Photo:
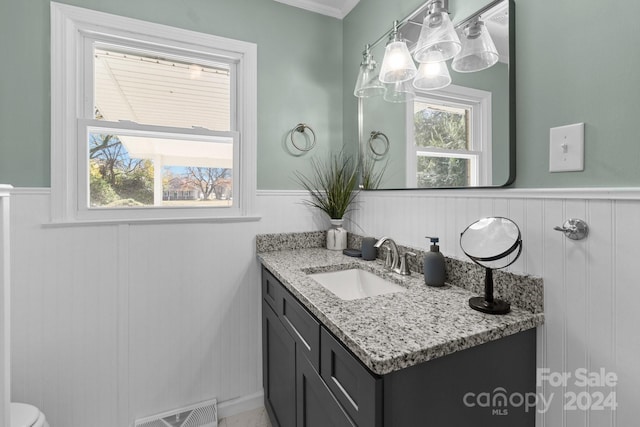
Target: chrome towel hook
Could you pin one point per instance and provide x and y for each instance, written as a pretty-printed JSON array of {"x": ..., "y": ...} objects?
[{"x": 573, "y": 228}]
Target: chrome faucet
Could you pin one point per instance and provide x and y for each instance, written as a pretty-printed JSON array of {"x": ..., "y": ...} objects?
[
  {"x": 397, "y": 263},
  {"x": 395, "y": 255}
]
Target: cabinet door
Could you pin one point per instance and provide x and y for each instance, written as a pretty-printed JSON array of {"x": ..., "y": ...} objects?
[
  {"x": 278, "y": 370},
  {"x": 316, "y": 406}
]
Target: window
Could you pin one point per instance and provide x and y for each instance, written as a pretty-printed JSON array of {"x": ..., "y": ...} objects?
[
  {"x": 449, "y": 136},
  {"x": 151, "y": 122}
]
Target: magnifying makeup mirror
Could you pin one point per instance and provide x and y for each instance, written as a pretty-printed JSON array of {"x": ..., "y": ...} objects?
[{"x": 492, "y": 243}]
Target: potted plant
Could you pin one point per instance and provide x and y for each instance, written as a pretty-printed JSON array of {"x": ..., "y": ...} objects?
[{"x": 332, "y": 189}]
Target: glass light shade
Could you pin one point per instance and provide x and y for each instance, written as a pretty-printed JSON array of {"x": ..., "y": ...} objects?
[
  {"x": 478, "y": 50},
  {"x": 437, "y": 35},
  {"x": 368, "y": 83},
  {"x": 397, "y": 65},
  {"x": 400, "y": 92},
  {"x": 432, "y": 75}
]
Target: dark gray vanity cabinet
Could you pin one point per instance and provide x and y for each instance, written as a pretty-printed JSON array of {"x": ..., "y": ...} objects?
[
  {"x": 311, "y": 380},
  {"x": 295, "y": 392}
]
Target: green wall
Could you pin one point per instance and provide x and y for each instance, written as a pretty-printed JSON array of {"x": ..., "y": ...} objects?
[
  {"x": 572, "y": 66},
  {"x": 299, "y": 77}
]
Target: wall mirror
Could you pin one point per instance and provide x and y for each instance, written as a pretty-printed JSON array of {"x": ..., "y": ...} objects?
[{"x": 446, "y": 117}]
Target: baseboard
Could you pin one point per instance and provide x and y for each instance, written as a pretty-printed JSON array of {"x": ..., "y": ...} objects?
[{"x": 241, "y": 404}]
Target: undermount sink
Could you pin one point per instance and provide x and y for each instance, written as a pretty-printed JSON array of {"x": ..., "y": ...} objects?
[{"x": 355, "y": 284}]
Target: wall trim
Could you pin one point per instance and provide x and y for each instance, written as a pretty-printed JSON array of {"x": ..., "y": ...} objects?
[
  {"x": 286, "y": 193},
  {"x": 604, "y": 193},
  {"x": 5, "y": 190},
  {"x": 319, "y": 7},
  {"x": 18, "y": 191},
  {"x": 619, "y": 193}
]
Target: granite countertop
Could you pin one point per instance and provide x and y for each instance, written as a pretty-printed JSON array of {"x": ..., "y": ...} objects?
[{"x": 394, "y": 331}]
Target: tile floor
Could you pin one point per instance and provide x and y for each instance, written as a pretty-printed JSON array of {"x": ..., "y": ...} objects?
[{"x": 255, "y": 418}]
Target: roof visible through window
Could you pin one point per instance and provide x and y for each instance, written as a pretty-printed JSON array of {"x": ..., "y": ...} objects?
[{"x": 146, "y": 88}]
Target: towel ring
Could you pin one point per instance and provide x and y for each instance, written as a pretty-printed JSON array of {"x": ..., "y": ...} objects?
[
  {"x": 379, "y": 135},
  {"x": 301, "y": 127}
]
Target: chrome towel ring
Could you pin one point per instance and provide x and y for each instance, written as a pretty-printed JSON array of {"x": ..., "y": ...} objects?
[
  {"x": 302, "y": 127},
  {"x": 379, "y": 135}
]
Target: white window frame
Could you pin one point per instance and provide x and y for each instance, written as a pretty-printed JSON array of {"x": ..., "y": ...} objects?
[
  {"x": 480, "y": 154},
  {"x": 73, "y": 31}
]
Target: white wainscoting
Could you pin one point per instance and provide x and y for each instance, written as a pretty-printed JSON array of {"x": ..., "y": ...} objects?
[
  {"x": 5, "y": 310},
  {"x": 115, "y": 322},
  {"x": 591, "y": 286}
]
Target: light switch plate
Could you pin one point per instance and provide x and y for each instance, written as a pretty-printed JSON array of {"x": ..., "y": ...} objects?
[{"x": 566, "y": 148}]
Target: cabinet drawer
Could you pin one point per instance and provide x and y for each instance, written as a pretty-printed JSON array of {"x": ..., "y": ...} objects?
[
  {"x": 304, "y": 328},
  {"x": 271, "y": 288},
  {"x": 358, "y": 391}
]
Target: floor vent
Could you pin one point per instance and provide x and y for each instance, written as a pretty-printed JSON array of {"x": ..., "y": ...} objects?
[{"x": 204, "y": 414}]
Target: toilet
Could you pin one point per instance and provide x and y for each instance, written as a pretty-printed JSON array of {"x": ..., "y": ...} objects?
[{"x": 23, "y": 415}]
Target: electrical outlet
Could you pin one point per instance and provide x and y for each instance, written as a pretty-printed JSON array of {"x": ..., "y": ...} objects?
[{"x": 566, "y": 148}]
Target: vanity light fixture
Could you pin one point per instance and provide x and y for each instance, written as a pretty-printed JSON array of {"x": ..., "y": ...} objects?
[
  {"x": 468, "y": 43},
  {"x": 368, "y": 83},
  {"x": 397, "y": 65},
  {"x": 434, "y": 74},
  {"x": 437, "y": 34},
  {"x": 400, "y": 92},
  {"x": 478, "y": 50}
]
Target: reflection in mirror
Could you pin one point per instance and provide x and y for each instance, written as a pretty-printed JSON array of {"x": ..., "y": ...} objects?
[
  {"x": 452, "y": 125},
  {"x": 492, "y": 243}
]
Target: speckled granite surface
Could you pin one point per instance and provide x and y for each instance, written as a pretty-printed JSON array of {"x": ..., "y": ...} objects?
[
  {"x": 281, "y": 241},
  {"x": 394, "y": 331},
  {"x": 520, "y": 290}
]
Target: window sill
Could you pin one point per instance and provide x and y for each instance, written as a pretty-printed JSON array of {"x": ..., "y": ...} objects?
[{"x": 143, "y": 221}]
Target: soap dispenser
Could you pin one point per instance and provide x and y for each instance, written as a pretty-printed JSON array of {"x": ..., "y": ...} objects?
[{"x": 434, "y": 267}]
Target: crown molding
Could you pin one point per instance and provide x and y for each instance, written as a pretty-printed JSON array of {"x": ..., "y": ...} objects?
[{"x": 322, "y": 8}]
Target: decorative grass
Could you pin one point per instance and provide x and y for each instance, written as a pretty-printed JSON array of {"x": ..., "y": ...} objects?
[{"x": 332, "y": 186}]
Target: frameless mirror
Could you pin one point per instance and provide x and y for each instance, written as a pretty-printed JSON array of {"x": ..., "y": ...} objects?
[
  {"x": 461, "y": 135},
  {"x": 492, "y": 243}
]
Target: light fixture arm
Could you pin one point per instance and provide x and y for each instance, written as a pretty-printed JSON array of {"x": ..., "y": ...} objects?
[
  {"x": 436, "y": 6},
  {"x": 367, "y": 58},
  {"x": 394, "y": 35},
  {"x": 367, "y": 50},
  {"x": 473, "y": 28},
  {"x": 421, "y": 8},
  {"x": 476, "y": 15}
]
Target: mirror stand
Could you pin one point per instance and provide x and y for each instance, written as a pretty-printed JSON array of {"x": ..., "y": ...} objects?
[
  {"x": 488, "y": 304},
  {"x": 490, "y": 242}
]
